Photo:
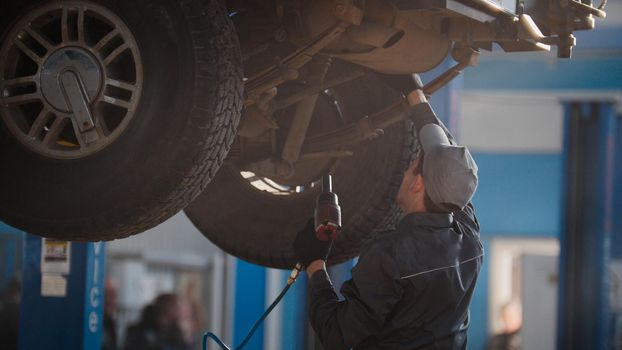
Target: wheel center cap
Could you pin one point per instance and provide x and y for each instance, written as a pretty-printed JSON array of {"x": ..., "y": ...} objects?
[{"x": 68, "y": 75}]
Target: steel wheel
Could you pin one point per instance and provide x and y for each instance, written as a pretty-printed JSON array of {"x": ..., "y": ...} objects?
[{"x": 71, "y": 79}]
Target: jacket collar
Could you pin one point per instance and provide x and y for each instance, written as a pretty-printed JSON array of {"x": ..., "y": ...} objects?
[{"x": 426, "y": 219}]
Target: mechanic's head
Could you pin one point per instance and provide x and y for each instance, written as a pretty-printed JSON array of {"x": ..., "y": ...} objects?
[
  {"x": 412, "y": 196},
  {"x": 442, "y": 179}
]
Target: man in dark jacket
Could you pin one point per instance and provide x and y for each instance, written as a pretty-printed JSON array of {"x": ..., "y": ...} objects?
[
  {"x": 411, "y": 287},
  {"x": 159, "y": 327}
]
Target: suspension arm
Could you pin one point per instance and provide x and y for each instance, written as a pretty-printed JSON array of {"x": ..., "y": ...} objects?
[{"x": 367, "y": 128}]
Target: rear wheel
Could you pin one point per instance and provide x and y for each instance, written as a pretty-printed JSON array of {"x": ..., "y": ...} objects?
[
  {"x": 115, "y": 115},
  {"x": 256, "y": 217}
]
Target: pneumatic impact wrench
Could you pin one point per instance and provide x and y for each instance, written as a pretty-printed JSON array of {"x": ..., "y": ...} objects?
[
  {"x": 327, "y": 215},
  {"x": 326, "y": 218}
]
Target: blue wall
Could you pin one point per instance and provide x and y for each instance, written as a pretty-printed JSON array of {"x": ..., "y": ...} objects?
[
  {"x": 518, "y": 195},
  {"x": 250, "y": 295},
  {"x": 598, "y": 71},
  {"x": 294, "y": 314}
]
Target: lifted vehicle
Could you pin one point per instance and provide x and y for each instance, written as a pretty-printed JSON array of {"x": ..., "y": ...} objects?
[{"x": 118, "y": 114}]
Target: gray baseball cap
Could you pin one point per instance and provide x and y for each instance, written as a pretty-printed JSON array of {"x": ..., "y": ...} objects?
[{"x": 449, "y": 171}]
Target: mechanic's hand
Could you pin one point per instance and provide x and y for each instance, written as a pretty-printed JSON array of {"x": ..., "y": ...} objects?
[{"x": 308, "y": 248}]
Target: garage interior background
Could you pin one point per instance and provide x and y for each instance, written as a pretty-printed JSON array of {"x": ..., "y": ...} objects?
[{"x": 510, "y": 112}]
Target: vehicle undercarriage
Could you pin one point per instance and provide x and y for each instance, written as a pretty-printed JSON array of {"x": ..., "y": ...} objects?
[{"x": 117, "y": 115}]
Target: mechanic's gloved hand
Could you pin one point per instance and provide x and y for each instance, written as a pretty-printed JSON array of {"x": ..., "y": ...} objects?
[{"x": 308, "y": 248}]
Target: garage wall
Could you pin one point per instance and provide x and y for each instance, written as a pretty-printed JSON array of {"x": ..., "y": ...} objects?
[
  {"x": 517, "y": 145},
  {"x": 511, "y": 118},
  {"x": 516, "y": 140}
]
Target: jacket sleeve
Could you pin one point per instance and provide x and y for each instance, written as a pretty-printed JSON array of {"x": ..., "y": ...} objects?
[
  {"x": 422, "y": 114},
  {"x": 467, "y": 217},
  {"x": 370, "y": 296}
]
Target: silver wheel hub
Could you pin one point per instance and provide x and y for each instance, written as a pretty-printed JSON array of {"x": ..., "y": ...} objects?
[{"x": 65, "y": 71}]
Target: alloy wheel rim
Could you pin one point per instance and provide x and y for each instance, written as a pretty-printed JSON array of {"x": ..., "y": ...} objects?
[{"x": 71, "y": 79}]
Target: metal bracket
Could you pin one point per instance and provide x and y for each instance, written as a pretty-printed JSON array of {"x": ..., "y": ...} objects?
[
  {"x": 588, "y": 9},
  {"x": 465, "y": 56}
]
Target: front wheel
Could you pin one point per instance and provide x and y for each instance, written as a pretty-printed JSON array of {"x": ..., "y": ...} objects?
[{"x": 114, "y": 115}]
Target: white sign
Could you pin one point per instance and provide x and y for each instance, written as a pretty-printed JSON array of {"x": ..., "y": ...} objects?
[
  {"x": 53, "y": 285},
  {"x": 94, "y": 292},
  {"x": 93, "y": 322},
  {"x": 94, "y": 297},
  {"x": 55, "y": 256}
]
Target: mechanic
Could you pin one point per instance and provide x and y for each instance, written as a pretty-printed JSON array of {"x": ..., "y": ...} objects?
[{"x": 411, "y": 287}]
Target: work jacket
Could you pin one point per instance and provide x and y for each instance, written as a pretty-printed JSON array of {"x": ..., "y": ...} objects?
[{"x": 410, "y": 289}]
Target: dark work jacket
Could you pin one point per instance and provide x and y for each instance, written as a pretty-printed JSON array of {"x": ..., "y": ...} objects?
[{"x": 410, "y": 289}]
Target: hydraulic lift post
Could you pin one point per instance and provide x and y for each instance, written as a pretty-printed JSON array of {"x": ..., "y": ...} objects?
[
  {"x": 584, "y": 313},
  {"x": 62, "y": 295}
]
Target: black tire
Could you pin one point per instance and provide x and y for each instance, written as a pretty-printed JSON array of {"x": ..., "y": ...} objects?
[
  {"x": 260, "y": 227},
  {"x": 182, "y": 130}
]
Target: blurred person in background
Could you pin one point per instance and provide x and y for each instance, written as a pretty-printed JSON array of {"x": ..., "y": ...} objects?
[
  {"x": 143, "y": 334},
  {"x": 9, "y": 314},
  {"x": 109, "y": 332},
  {"x": 191, "y": 322},
  {"x": 512, "y": 319},
  {"x": 159, "y": 327}
]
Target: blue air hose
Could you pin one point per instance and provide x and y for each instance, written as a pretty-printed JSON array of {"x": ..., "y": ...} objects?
[{"x": 290, "y": 280}]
